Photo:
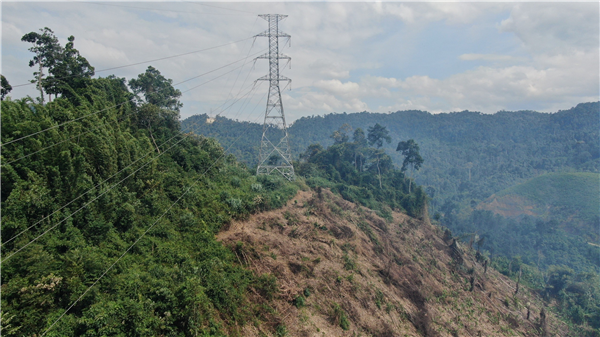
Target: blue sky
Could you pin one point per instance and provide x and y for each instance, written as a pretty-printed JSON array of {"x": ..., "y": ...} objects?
[{"x": 346, "y": 57}]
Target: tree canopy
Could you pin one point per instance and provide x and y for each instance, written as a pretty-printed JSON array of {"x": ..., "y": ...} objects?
[
  {"x": 68, "y": 70},
  {"x": 376, "y": 134},
  {"x": 6, "y": 87},
  {"x": 156, "y": 89},
  {"x": 93, "y": 187},
  {"x": 410, "y": 151}
]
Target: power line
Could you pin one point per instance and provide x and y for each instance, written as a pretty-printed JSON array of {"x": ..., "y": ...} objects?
[
  {"x": 88, "y": 203},
  {"x": 145, "y": 232},
  {"x": 47, "y": 147},
  {"x": 161, "y": 10},
  {"x": 142, "y": 62},
  {"x": 93, "y": 113},
  {"x": 64, "y": 123},
  {"x": 63, "y": 141},
  {"x": 120, "y": 117},
  {"x": 229, "y": 9},
  {"x": 212, "y": 71},
  {"x": 247, "y": 55}
]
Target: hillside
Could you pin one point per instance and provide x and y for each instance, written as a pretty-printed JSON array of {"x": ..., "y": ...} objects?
[
  {"x": 117, "y": 223},
  {"x": 468, "y": 155},
  {"x": 344, "y": 271},
  {"x": 109, "y": 222},
  {"x": 570, "y": 198}
]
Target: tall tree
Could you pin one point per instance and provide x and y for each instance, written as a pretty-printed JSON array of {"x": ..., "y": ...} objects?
[
  {"x": 340, "y": 135},
  {"x": 47, "y": 52},
  {"x": 360, "y": 143},
  {"x": 156, "y": 89},
  {"x": 70, "y": 71},
  {"x": 160, "y": 105},
  {"x": 412, "y": 158},
  {"x": 376, "y": 135},
  {"x": 6, "y": 87}
]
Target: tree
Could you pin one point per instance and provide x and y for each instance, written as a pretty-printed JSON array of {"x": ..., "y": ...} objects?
[
  {"x": 410, "y": 151},
  {"x": 161, "y": 101},
  {"x": 156, "y": 89},
  {"x": 340, "y": 136},
  {"x": 47, "y": 51},
  {"x": 376, "y": 135},
  {"x": 359, "y": 137},
  {"x": 69, "y": 71},
  {"x": 6, "y": 87},
  {"x": 360, "y": 142}
]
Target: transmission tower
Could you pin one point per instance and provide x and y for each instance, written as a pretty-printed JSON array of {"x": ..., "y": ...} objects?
[{"x": 275, "y": 154}]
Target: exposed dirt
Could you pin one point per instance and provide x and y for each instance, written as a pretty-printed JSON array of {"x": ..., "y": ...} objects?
[
  {"x": 512, "y": 206},
  {"x": 386, "y": 279}
]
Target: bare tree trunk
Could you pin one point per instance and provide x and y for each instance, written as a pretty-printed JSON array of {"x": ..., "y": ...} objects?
[
  {"x": 543, "y": 323},
  {"x": 151, "y": 136},
  {"x": 518, "y": 281},
  {"x": 40, "y": 74},
  {"x": 379, "y": 171}
]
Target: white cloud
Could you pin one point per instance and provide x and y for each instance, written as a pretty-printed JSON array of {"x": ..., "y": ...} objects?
[
  {"x": 454, "y": 13},
  {"x": 485, "y": 57},
  {"x": 345, "y": 56},
  {"x": 554, "y": 28}
]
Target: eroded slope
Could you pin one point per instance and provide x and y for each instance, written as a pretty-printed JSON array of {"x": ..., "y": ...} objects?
[{"x": 343, "y": 271}]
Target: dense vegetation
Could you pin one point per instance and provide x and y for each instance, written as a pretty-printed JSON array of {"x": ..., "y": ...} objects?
[
  {"x": 122, "y": 203},
  {"x": 122, "y": 169},
  {"x": 469, "y": 156},
  {"x": 361, "y": 173}
]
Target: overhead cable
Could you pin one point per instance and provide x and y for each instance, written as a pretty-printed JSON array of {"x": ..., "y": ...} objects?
[
  {"x": 148, "y": 229},
  {"x": 104, "y": 192},
  {"x": 148, "y": 61},
  {"x": 93, "y": 113}
]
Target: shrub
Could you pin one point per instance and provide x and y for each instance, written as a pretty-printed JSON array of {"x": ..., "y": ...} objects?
[{"x": 299, "y": 301}]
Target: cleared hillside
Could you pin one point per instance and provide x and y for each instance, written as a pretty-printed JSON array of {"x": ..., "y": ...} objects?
[
  {"x": 343, "y": 271},
  {"x": 570, "y": 198}
]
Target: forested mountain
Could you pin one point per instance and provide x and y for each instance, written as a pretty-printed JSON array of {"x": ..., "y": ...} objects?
[
  {"x": 115, "y": 222},
  {"x": 467, "y": 155},
  {"x": 571, "y": 199}
]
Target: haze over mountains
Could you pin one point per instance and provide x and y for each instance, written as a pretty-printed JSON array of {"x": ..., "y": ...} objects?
[{"x": 468, "y": 155}]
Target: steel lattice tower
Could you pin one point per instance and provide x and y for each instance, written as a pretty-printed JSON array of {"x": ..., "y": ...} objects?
[{"x": 275, "y": 154}]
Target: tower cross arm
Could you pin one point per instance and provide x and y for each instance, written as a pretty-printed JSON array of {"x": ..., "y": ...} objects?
[
  {"x": 266, "y": 56},
  {"x": 267, "y": 78},
  {"x": 267, "y": 34}
]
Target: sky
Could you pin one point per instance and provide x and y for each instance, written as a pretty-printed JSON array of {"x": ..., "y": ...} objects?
[{"x": 345, "y": 56}]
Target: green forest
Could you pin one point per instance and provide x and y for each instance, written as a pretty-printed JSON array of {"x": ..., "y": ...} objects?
[
  {"x": 110, "y": 205},
  {"x": 468, "y": 155},
  {"x": 553, "y": 160},
  {"x": 111, "y": 220},
  {"x": 109, "y": 210}
]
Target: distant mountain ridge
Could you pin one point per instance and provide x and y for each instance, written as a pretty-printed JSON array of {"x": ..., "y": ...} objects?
[{"x": 468, "y": 155}]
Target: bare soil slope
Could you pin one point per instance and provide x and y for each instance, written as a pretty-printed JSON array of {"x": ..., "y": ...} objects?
[{"x": 344, "y": 271}]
